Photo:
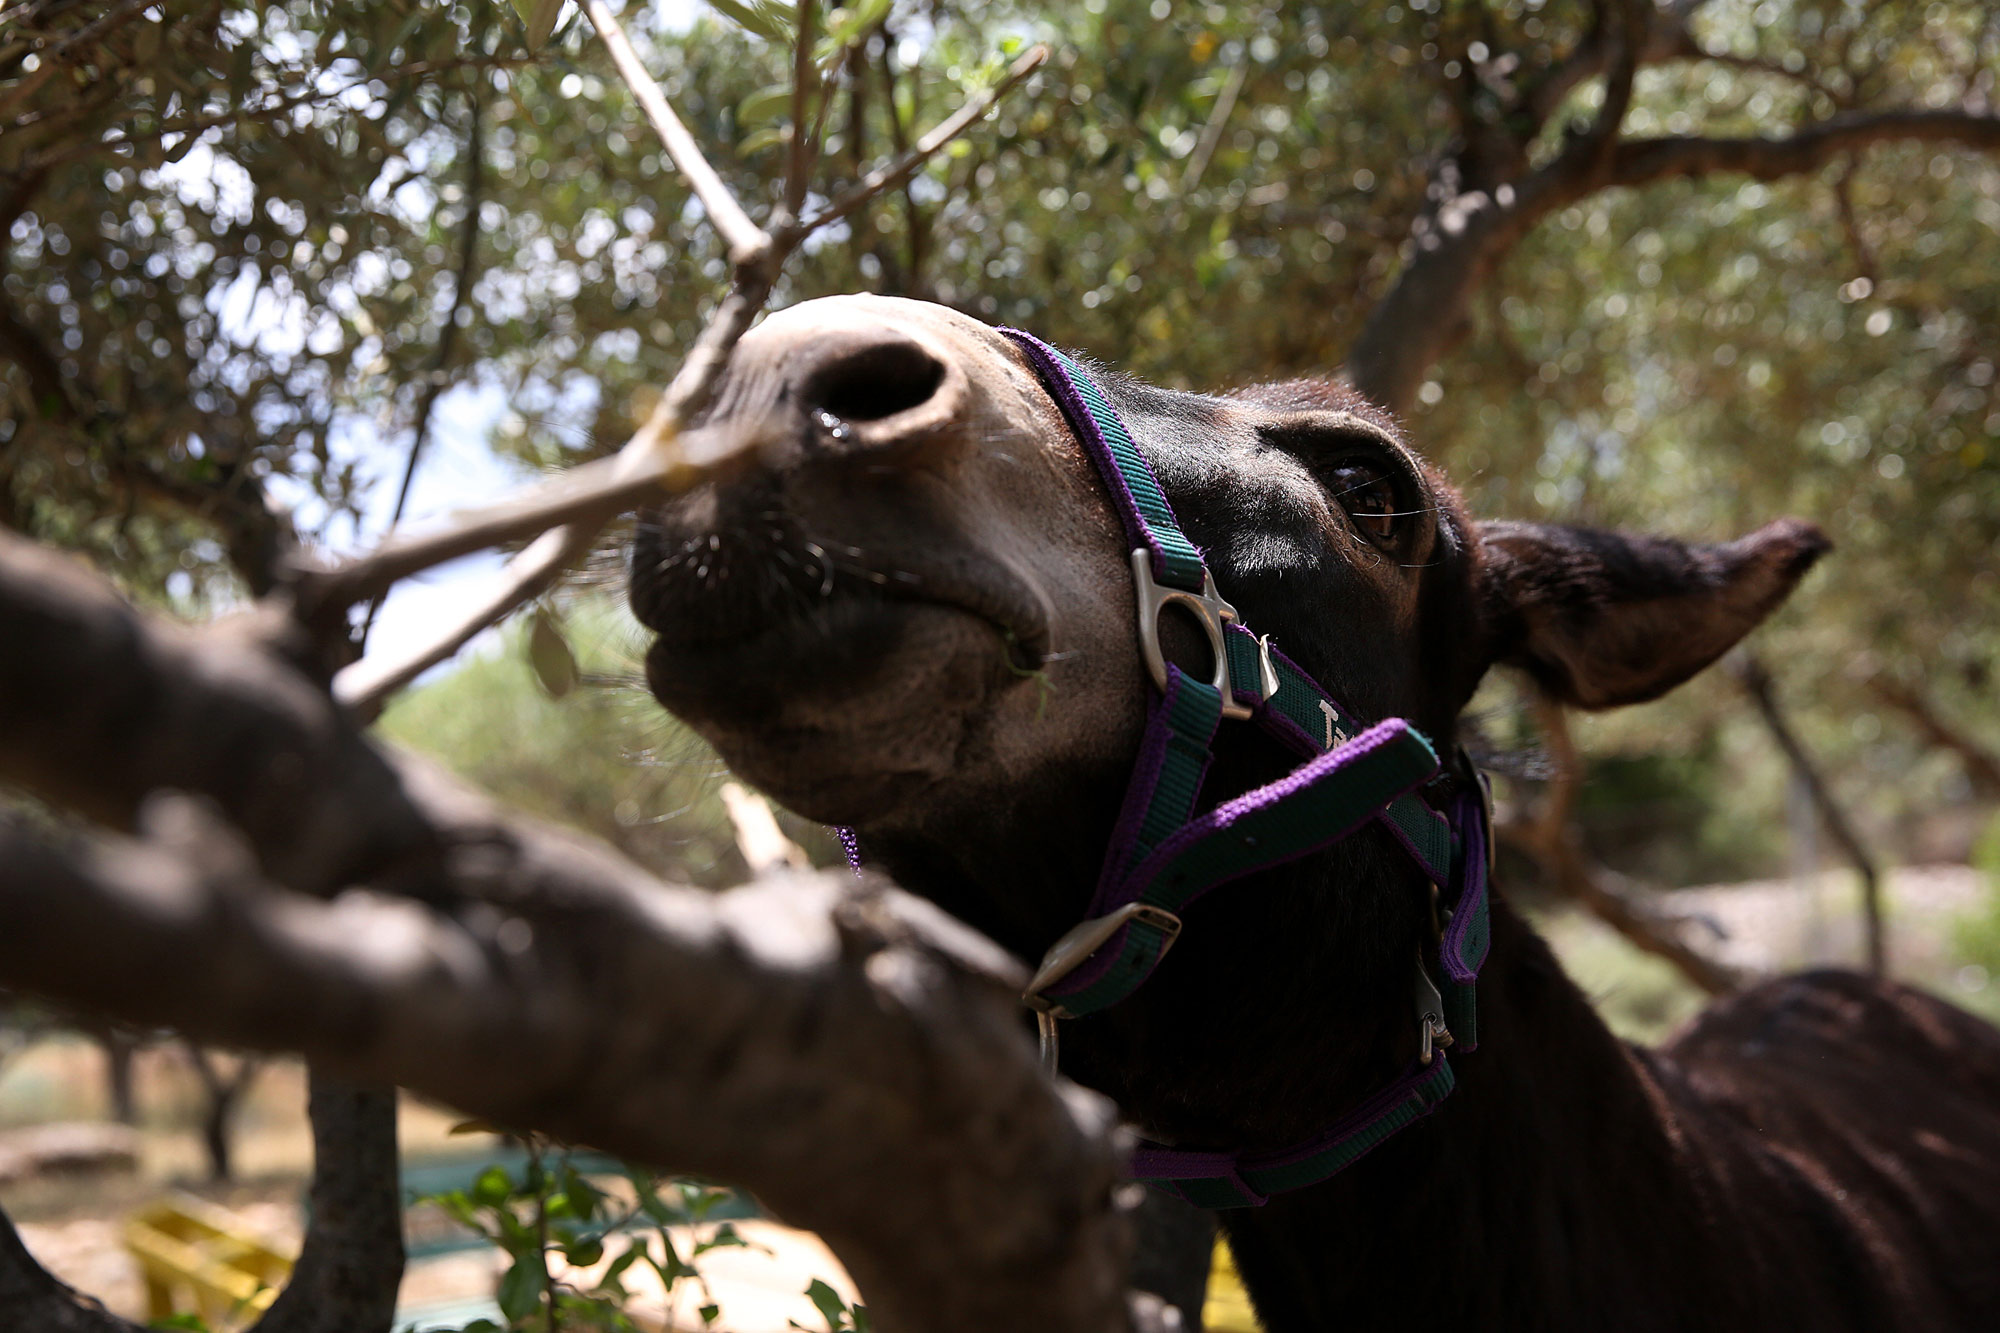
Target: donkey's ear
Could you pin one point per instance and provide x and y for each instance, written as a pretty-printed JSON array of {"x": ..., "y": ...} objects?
[{"x": 1605, "y": 618}]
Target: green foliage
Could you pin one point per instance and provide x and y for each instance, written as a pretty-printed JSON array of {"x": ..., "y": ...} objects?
[
  {"x": 839, "y": 1315},
  {"x": 553, "y": 1209},
  {"x": 601, "y": 757},
  {"x": 1202, "y": 193}
]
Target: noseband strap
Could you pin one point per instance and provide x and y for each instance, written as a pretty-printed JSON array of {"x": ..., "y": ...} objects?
[{"x": 1165, "y": 853}]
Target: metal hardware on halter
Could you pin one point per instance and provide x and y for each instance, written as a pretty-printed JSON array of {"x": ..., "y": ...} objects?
[
  {"x": 1072, "y": 950},
  {"x": 1086, "y": 938},
  {"x": 1432, "y": 1034},
  {"x": 1213, "y": 613}
]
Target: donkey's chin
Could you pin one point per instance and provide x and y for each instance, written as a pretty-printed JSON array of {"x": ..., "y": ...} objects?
[{"x": 849, "y": 715}]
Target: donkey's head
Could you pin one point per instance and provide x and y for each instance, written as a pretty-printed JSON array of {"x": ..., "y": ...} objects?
[{"x": 915, "y": 616}]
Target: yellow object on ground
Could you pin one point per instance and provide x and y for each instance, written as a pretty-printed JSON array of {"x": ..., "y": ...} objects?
[
  {"x": 197, "y": 1258},
  {"x": 1227, "y": 1309}
]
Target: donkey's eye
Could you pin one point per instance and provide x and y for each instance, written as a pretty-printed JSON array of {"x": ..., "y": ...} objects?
[{"x": 1369, "y": 497}]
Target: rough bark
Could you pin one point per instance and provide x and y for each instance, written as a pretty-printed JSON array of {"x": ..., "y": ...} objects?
[
  {"x": 351, "y": 1265},
  {"x": 1483, "y": 197},
  {"x": 35, "y": 1302},
  {"x": 847, "y": 1051}
]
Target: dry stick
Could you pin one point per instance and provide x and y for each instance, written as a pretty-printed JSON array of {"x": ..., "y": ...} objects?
[
  {"x": 801, "y": 150},
  {"x": 1756, "y": 682},
  {"x": 887, "y": 178},
  {"x": 747, "y": 242},
  {"x": 1550, "y": 837}
]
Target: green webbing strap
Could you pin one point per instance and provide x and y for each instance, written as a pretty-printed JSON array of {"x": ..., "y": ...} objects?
[
  {"x": 1193, "y": 711},
  {"x": 1175, "y": 560}
]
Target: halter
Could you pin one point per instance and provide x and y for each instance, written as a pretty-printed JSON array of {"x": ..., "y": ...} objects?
[{"x": 1164, "y": 854}]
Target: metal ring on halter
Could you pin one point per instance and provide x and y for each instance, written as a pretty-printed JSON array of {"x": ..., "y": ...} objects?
[{"x": 1207, "y": 608}]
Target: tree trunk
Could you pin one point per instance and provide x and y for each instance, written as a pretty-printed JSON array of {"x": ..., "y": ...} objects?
[
  {"x": 352, "y": 1263},
  {"x": 1172, "y": 1245}
]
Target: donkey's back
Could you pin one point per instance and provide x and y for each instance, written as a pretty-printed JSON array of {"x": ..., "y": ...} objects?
[{"x": 1835, "y": 1111}]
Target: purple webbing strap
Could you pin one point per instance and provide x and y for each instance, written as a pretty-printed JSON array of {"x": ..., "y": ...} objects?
[
  {"x": 850, "y": 844},
  {"x": 1048, "y": 365},
  {"x": 1132, "y": 886},
  {"x": 1163, "y": 1165},
  {"x": 1230, "y": 812}
]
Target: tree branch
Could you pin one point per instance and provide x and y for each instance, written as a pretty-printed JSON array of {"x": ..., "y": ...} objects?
[
  {"x": 661, "y": 460},
  {"x": 889, "y": 177},
  {"x": 747, "y": 242},
  {"x": 1549, "y": 836},
  {"x": 1756, "y": 682},
  {"x": 1982, "y": 766},
  {"x": 1766, "y": 158},
  {"x": 437, "y": 379},
  {"x": 849, "y": 1052},
  {"x": 1459, "y": 241}
]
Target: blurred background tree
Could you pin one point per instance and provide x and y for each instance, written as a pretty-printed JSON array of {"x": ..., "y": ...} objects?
[{"x": 249, "y": 244}]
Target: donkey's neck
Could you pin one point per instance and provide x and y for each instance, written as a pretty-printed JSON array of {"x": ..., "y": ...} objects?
[{"x": 1550, "y": 1190}]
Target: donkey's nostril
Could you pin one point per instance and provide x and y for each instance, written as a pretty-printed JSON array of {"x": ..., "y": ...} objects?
[{"x": 875, "y": 382}]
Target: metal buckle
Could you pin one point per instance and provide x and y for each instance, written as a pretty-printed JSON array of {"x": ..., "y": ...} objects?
[
  {"x": 1086, "y": 938},
  {"x": 1213, "y": 613},
  {"x": 1432, "y": 1034}
]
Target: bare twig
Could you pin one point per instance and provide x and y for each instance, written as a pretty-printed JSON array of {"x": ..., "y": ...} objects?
[
  {"x": 800, "y": 152},
  {"x": 1218, "y": 119},
  {"x": 366, "y": 684},
  {"x": 747, "y": 242},
  {"x": 1549, "y": 836},
  {"x": 889, "y": 177},
  {"x": 435, "y": 381},
  {"x": 1756, "y": 681}
]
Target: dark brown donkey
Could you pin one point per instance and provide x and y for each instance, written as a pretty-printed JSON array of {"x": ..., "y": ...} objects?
[{"x": 915, "y": 617}]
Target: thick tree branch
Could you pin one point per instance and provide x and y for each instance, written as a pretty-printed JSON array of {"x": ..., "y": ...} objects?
[
  {"x": 1466, "y": 234},
  {"x": 850, "y": 1053},
  {"x": 100, "y": 707},
  {"x": 1768, "y": 158}
]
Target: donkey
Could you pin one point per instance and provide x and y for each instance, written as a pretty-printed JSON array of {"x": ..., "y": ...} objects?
[{"x": 914, "y": 617}]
